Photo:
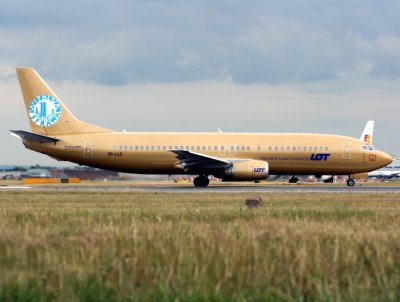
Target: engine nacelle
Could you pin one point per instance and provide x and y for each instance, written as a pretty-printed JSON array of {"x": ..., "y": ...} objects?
[{"x": 247, "y": 170}]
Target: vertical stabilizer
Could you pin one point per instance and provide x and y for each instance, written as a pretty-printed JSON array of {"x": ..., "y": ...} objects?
[
  {"x": 46, "y": 113},
  {"x": 368, "y": 132}
]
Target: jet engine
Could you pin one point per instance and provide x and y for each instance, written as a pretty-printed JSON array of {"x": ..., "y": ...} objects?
[{"x": 247, "y": 170}]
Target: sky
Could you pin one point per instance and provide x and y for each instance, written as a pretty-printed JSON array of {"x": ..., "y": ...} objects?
[{"x": 242, "y": 66}]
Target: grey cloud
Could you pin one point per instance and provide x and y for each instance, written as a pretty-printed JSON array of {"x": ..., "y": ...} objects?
[{"x": 116, "y": 42}]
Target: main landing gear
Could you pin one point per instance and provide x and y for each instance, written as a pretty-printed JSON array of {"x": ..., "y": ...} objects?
[
  {"x": 351, "y": 182},
  {"x": 201, "y": 181},
  {"x": 293, "y": 180}
]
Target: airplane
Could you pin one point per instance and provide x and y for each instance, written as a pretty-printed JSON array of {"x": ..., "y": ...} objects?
[
  {"x": 56, "y": 132},
  {"x": 390, "y": 171}
]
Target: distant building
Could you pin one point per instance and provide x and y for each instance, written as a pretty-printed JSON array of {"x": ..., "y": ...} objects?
[
  {"x": 10, "y": 175},
  {"x": 83, "y": 173}
]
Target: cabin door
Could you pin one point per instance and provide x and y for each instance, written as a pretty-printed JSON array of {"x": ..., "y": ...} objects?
[
  {"x": 346, "y": 151},
  {"x": 88, "y": 148}
]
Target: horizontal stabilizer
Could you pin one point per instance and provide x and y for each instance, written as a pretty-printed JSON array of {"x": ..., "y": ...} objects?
[{"x": 34, "y": 137}]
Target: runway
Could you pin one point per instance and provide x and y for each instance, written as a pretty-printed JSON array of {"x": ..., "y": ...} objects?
[{"x": 178, "y": 188}]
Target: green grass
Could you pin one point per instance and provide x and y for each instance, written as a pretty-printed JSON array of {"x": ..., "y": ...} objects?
[{"x": 57, "y": 246}]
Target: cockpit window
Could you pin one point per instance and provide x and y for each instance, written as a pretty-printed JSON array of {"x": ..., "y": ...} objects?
[{"x": 368, "y": 147}]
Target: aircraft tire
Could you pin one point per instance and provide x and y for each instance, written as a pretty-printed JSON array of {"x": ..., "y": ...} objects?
[
  {"x": 293, "y": 180},
  {"x": 350, "y": 182},
  {"x": 201, "y": 181}
]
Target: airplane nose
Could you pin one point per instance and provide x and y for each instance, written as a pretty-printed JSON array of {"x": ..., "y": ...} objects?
[{"x": 385, "y": 158}]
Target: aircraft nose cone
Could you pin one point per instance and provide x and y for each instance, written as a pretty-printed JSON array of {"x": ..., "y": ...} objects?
[
  {"x": 388, "y": 159},
  {"x": 385, "y": 158}
]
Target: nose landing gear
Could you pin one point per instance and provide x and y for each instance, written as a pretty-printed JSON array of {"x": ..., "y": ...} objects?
[
  {"x": 350, "y": 182},
  {"x": 201, "y": 181}
]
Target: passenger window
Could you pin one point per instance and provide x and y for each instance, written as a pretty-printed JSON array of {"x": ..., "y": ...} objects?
[
  {"x": 321, "y": 149},
  {"x": 130, "y": 147},
  {"x": 326, "y": 148},
  {"x": 141, "y": 148},
  {"x": 294, "y": 148},
  {"x": 115, "y": 147},
  {"x": 276, "y": 148},
  {"x": 164, "y": 147},
  {"x": 215, "y": 148},
  {"x": 243, "y": 148},
  {"x": 204, "y": 148},
  {"x": 198, "y": 148},
  {"x": 120, "y": 147},
  {"x": 192, "y": 147},
  {"x": 270, "y": 148},
  {"x": 287, "y": 148},
  {"x": 248, "y": 148},
  {"x": 315, "y": 148}
]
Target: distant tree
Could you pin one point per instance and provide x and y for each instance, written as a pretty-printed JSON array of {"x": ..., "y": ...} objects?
[{"x": 17, "y": 168}]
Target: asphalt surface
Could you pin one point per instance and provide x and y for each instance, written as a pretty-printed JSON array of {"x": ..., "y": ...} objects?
[{"x": 216, "y": 188}]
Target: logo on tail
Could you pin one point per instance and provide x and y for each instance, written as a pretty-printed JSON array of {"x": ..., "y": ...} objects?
[
  {"x": 367, "y": 139},
  {"x": 44, "y": 110}
]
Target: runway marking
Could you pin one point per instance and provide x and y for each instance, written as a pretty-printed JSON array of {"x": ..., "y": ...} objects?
[{"x": 14, "y": 187}]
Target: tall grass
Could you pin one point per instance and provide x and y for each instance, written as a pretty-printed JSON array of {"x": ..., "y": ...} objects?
[{"x": 194, "y": 247}]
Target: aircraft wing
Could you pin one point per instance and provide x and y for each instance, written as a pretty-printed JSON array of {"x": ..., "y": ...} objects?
[{"x": 193, "y": 161}]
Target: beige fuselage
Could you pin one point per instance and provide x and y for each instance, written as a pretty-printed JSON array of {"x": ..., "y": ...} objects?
[{"x": 294, "y": 154}]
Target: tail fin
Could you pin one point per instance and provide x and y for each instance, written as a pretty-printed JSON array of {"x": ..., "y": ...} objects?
[
  {"x": 366, "y": 136},
  {"x": 47, "y": 114}
]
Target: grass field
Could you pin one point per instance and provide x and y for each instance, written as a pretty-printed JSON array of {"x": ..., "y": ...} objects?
[{"x": 193, "y": 247}]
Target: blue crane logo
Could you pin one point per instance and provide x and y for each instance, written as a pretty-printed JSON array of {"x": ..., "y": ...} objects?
[{"x": 44, "y": 110}]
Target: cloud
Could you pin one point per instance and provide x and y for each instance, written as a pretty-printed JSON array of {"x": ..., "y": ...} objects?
[
  {"x": 6, "y": 71},
  {"x": 119, "y": 42},
  {"x": 263, "y": 66}
]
